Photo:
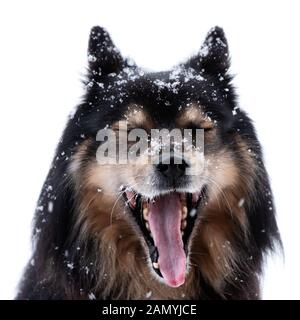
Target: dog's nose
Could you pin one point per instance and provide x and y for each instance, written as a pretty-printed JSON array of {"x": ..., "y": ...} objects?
[{"x": 175, "y": 168}]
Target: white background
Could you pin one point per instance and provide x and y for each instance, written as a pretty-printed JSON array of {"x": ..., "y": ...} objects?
[{"x": 43, "y": 56}]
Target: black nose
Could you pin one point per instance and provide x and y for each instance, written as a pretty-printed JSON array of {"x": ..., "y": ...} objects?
[{"x": 175, "y": 169}]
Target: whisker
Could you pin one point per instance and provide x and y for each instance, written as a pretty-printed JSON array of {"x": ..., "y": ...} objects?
[
  {"x": 117, "y": 200},
  {"x": 194, "y": 265}
]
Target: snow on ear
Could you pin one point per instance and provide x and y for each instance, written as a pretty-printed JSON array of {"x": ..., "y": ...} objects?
[
  {"x": 213, "y": 57},
  {"x": 103, "y": 56}
]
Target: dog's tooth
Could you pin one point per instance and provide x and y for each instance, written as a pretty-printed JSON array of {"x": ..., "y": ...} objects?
[
  {"x": 182, "y": 233},
  {"x": 155, "y": 265},
  {"x": 145, "y": 213},
  {"x": 183, "y": 224},
  {"x": 147, "y": 226},
  {"x": 184, "y": 212}
]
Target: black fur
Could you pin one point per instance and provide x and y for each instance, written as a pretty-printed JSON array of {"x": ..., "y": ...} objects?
[{"x": 57, "y": 269}]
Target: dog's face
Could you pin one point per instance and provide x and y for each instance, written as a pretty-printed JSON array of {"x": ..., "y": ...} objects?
[
  {"x": 165, "y": 197},
  {"x": 166, "y": 207}
]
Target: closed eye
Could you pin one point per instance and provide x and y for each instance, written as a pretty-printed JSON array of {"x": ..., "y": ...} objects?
[{"x": 203, "y": 126}]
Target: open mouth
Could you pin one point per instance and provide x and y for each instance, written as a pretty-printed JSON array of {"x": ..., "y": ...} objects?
[{"x": 166, "y": 222}]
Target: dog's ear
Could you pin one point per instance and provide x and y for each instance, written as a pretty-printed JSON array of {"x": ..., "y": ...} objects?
[
  {"x": 213, "y": 57},
  {"x": 103, "y": 56}
]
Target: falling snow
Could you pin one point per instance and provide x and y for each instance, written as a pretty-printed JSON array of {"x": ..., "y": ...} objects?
[
  {"x": 70, "y": 266},
  {"x": 50, "y": 206},
  {"x": 241, "y": 202},
  {"x": 91, "y": 296}
]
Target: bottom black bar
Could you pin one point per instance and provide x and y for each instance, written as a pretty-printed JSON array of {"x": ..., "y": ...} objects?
[{"x": 90, "y": 310}]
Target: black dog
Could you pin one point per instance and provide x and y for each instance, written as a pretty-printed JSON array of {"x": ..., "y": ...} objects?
[{"x": 133, "y": 231}]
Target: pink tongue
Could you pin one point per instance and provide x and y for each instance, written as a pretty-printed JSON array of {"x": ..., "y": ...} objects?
[{"x": 165, "y": 221}]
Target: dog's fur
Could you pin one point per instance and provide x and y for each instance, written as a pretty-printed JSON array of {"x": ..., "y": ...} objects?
[{"x": 86, "y": 243}]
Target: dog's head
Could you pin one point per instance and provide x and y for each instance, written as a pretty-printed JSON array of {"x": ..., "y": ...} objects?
[{"x": 179, "y": 207}]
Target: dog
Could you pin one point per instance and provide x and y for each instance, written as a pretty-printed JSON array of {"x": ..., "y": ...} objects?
[{"x": 143, "y": 230}]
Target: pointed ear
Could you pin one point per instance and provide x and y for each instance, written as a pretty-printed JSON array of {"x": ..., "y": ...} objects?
[
  {"x": 213, "y": 57},
  {"x": 103, "y": 56}
]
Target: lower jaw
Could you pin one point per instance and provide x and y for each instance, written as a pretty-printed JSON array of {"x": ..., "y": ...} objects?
[{"x": 167, "y": 226}]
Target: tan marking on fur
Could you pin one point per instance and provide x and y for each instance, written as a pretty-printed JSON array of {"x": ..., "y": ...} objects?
[
  {"x": 78, "y": 157},
  {"x": 135, "y": 117},
  {"x": 250, "y": 167},
  {"x": 136, "y": 114},
  {"x": 194, "y": 114}
]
